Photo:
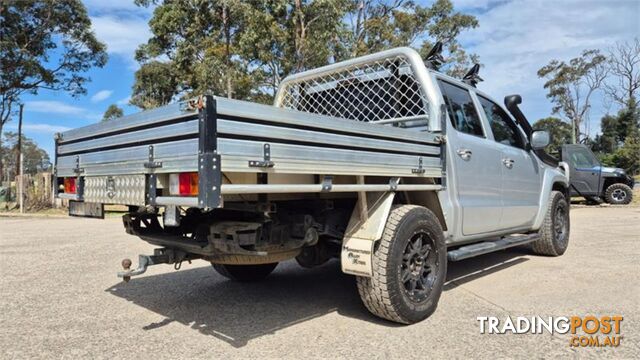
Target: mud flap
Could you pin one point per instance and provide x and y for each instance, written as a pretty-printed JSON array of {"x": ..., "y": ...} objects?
[{"x": 365, "y": 228}]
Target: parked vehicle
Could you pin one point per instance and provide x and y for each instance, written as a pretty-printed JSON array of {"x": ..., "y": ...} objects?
[
  {"x": 380, "y": 161},
  {"x": 592, "y": 180}
]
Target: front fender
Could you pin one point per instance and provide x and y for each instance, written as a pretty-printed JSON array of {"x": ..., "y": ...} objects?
[
  {"x": 552, "y": 177},
  {"x": 614, "y": 178}
]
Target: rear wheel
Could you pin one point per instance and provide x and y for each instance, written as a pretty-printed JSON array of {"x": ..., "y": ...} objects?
[
  {"x": 618, "y": 194},
  {"x": 409, "y": 267},
  {"x": 245, "y": 273},
  {"x": 554, "y": 233}
]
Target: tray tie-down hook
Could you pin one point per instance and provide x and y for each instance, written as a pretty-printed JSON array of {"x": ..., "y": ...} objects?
[
  {"x": 266, "y": 162},
  {"x": 419, "y": 169}
]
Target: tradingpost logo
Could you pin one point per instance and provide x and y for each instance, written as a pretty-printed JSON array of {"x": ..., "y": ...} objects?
[{"x": 586, "y": 331}]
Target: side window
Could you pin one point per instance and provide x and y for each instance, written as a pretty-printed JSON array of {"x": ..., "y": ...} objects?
[
  {"x": 462, "y": 112},
  {"x": 582, "y": 158},
  {"x": 503, "y": 129}
]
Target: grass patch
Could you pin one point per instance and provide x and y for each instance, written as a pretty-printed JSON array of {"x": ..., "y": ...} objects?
[
  {"x": 109, "y": 210},
  {"x": 636, "y": 197},
  {"x": 43, "y": 212}
]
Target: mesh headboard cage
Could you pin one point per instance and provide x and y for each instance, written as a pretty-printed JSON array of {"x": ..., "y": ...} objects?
[{"x": 382, "y": 89}]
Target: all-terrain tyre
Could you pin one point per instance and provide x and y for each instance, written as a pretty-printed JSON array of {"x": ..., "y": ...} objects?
[
  {"x": 554, "y": 233},
  {"x": 245, "y": 273},
  {"x": 409, "y": 267},
  {"x": 618, "y": 194}
]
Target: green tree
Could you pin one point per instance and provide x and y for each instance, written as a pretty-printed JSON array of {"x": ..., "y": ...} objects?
[
  {"x": 619, "y": 143},
  {"x": 559, "y": 130},
  {"x": 627, "y": 156},
  {"x": 243, "y": 49},
  {"x": 200, "y": 40},
  {"x": 616, "y": 129},
  {"x": 112, "y": 112},
  {"x": 571, "y": 86},
  {"x": 156, "y": 83},
  {"x": 378, "y": 25},
  {"x": 35, "y": 159},
  {"x": 608, "y": 141},
  {"x": 284, "y": 37},
  {"x": 44, "y": 44},
  {"x": 628, "y": 121}
]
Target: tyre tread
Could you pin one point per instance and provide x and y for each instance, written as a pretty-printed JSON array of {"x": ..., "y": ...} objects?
[
  {"x": 608, "y": 194},
  {"x": 545, "y": 245},
  {"x": 375, "y": 291}
]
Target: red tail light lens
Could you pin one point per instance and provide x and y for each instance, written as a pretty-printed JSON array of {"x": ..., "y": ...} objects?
[
  {"x": 70, "y": 185},
  {"x": 184, "y": 184}
]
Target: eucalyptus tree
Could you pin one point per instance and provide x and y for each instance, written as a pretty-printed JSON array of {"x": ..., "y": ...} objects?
[
  {"x": 572, "y": 84},
  {"x": 243, "y": 49},
  {"x": 44, "y": 45},
  {"x": 624, "y": 73},
  {"x": 113, "y": 112},
  {"x": 376, "y": 25}
]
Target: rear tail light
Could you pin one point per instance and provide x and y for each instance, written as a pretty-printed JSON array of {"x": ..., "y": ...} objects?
[
  {"x": 183, "y": 184},
  {"x": 70, "y": 185}
]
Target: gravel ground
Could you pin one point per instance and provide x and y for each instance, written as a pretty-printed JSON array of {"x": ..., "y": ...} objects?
[{"x": 60, "y": 298}]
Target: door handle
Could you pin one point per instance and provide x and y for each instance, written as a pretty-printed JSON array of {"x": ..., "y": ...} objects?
[
  {"x": 508, "y": 162},
  {"x": 465, "y": 154}
]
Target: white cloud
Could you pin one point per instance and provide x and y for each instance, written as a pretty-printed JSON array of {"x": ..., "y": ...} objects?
[
  {"x": 124, "y": 101},
  {"x": 45, "y": 128},
  {"x": 473, "y": 4},
  {"x": 121, "y": 25},
  {"x": 61, "y": 109},
  {"x": 38, "y": 128},
  {"x": 122, "y": 35},
  {"x": 53, "y": 107},
  {"x": 518, "y": 37},
  {"x": 115, "y": 5},
  {"x": 101, "y": 95}
]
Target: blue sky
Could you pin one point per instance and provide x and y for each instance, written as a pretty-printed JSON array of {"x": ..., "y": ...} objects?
[{"x": 515, "y": 38}]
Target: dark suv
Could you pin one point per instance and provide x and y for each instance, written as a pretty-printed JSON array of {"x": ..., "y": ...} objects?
[{"x": 592, "y": 180}]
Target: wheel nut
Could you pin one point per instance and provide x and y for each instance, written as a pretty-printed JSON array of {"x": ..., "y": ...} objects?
[{"x": 126, "y": 264}]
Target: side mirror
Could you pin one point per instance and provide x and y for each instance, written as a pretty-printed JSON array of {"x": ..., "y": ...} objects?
[{"x": 540, "y": 139}]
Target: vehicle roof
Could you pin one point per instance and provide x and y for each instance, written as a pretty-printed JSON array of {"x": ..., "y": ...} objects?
[
  {"x": 460, "y": 83},
  {"x": 475, "y": 90}
]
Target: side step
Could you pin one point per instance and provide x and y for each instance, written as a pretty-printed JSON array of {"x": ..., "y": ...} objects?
[{"x": 485, "y": 247}]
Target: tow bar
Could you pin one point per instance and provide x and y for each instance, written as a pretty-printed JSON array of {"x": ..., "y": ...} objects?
[{"x": 160, "y": 256}]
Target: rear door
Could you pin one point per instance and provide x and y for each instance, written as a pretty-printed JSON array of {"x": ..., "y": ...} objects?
[
  {"x": 521, "y": 177},
  {"x": 476, "y": 161}
]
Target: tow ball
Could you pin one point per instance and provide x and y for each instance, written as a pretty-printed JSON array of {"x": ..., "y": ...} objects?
[{"x": 160, "y": 256}]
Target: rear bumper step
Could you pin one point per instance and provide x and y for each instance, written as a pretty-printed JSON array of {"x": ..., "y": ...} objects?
[{"x": 486, "y": 247}]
